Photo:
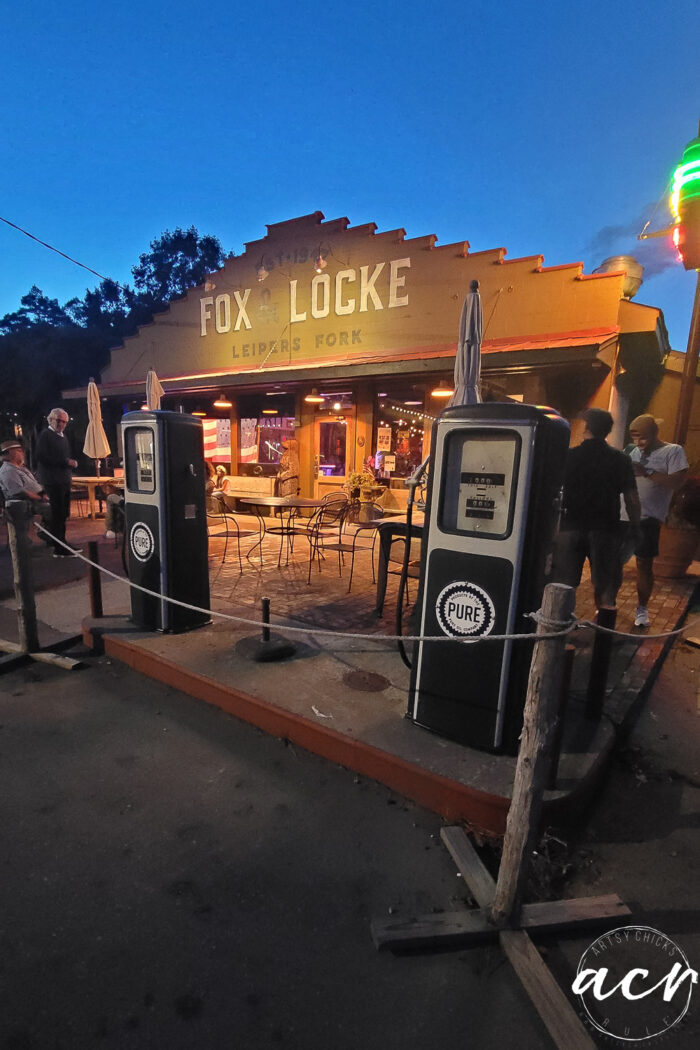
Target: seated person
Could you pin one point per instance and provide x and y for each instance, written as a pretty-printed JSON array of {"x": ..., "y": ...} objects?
[
  {"x": 114, "y": 503},
  {"x": 18, "y": 482}
]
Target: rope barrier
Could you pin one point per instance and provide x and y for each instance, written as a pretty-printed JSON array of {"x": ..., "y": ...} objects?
[{"x": 562, "y": 629}]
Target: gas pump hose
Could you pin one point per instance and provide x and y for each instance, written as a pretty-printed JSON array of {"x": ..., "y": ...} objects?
[{"x": 412, "y": 484}]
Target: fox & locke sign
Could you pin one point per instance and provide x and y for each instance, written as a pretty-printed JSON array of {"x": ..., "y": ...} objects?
[{"x": 351, "y": 291}]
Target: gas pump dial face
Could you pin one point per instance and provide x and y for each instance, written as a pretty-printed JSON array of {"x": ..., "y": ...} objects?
[{"x": 486, "y": 483}]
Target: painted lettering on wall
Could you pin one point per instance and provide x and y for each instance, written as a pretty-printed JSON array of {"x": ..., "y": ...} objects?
[
  {"x": 375, "y": 287},
  {"x": 296, "y": 345}
]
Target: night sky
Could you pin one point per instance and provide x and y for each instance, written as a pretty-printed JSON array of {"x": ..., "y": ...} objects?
[{"x": 544, "y": 128}]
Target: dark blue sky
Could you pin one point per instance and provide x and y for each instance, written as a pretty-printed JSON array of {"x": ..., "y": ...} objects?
[{"x": 547, "y": 128}]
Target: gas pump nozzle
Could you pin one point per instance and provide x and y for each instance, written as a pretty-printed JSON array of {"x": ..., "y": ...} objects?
[{"x": 415, "y": 479}]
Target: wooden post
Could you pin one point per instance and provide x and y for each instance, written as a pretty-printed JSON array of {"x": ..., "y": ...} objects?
[
  {"x": 94, "y": 582},
  {"x": 532, "y": 768},
  {"x": 558, "y": 728},
  {"x": 18, "y": 518}
]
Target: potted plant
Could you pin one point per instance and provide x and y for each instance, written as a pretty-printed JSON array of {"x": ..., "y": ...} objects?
[
  {"x": 358, "y": 483},
  {"x": 680, "y": 533}
]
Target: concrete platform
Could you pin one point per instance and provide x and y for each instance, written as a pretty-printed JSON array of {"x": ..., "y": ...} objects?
[{"x": 345, "y": 698}]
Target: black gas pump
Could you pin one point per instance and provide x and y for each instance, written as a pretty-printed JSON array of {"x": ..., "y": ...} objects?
[
  {"x": 493, "y": 496},
  {"x": 165, "y": 511}
]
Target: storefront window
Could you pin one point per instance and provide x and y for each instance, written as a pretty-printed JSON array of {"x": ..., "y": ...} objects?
[
  {"x": 261, "y": 439},
  {"x": 332, "y": 445},
  {"x": 399, "y": 432}
]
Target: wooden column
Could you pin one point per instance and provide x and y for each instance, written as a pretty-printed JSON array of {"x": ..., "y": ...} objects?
[
  {"x": 18, "y": 518},
  {"x": 690, "y": 371}
]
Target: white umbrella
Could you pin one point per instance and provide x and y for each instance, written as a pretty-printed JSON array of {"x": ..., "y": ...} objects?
[
  {"x": 154, "y": 391},
  {"x": 468, "y": 361},
  {"x": 96, "y": 445}
]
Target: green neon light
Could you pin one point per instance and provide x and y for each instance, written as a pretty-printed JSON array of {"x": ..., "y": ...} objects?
[{"x": 686, "y": 179}]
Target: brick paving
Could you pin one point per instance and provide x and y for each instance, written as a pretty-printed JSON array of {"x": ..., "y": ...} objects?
[{"x": 325, "y": 601}]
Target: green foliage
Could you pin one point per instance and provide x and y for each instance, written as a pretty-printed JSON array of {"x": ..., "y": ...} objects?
[
  {"x": 46, "y": 348},
  {"x": 177, "y": 261},
  {"x": 36, "y": 310}
]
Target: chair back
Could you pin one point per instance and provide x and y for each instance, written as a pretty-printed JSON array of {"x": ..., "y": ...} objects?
[
  {"x": 336, "y": 494},
  {"x": 214, "y": 503}
]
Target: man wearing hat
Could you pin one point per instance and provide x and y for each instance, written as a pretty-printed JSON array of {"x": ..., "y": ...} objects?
[
  {"x": 17, "y": 482},
  {"x": 596, "y": 475},
  {"x": 660, "y": 467}
]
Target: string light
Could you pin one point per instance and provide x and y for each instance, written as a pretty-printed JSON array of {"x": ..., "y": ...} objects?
[{"x": 403, "y": 411}]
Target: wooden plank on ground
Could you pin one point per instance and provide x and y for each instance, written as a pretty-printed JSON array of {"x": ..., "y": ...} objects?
[
  {"x": 9, "y": 647},
  {"x": 549, "y": 916},
  {"x": 441, "y": 930},
  {"x": 9, "y": 661},
  {"x": 476, "y": 875},
  {"x": 558, "y": 1014},
  {"x": 459, "y": 928},
  {"x": 66, "y": 663}
]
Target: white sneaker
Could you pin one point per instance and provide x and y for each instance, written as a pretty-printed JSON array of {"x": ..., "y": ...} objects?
[
  {"x": 109, "y": 535},
  {"x": 641, "y": 618}
]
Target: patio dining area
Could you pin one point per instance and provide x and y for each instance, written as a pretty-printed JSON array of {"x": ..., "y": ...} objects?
[{"x": 300, "y": 568}]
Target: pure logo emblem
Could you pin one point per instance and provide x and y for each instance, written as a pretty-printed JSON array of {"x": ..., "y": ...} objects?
[
  {"x": 141, "y": 541},
  {"x": 634, "y": 984},
  {"x": 463, "y": 609}
]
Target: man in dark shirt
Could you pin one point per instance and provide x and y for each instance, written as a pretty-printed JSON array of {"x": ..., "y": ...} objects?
[
  {"x": 596, "y": 476},
  {"x": 55, "y": 473}
]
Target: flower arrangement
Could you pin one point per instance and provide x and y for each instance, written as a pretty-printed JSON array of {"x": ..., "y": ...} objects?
[{"x": 356, "y": 480}]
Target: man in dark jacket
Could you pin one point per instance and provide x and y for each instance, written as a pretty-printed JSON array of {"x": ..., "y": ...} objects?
[
  {"x": 596, "y": 476},
  {"x": 55, "y": 464}
]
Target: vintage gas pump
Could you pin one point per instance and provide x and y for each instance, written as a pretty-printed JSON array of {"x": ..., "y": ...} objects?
[
  {"x": 165, "y": 510},
  {"x": 497, "y": 471}
]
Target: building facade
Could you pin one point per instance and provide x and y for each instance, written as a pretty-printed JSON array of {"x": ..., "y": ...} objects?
[{"x": 345, "y": 338}]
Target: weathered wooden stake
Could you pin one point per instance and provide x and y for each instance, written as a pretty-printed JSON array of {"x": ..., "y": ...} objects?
[
  {"x": 18, "y": 518},
  {"x": 533, "y": 763}
]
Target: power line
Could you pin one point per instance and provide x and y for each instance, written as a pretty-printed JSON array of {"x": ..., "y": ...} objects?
[{"x": 59, "y": 252}]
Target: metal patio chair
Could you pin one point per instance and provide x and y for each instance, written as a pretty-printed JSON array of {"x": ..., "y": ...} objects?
[
  {"x": 221, "y": 523},
  {"x": 325, "y": 528},
  {"x": 357, "y": 536}
]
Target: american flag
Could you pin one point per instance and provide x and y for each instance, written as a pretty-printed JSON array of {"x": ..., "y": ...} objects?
[{"x": 217, "y": 439}]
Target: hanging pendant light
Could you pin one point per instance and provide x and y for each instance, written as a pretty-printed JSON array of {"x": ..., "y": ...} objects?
[
  {"x": 442, "y": 390},
  {"x": 314, "y": 398},
  {"x": 222, "y": 402}
]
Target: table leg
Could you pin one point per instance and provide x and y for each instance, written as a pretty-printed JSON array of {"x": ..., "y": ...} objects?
[{"x": 385, "y": 538}]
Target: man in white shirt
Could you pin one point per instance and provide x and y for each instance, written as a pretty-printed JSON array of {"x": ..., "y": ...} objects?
[
  {"x": 660, "y": 468},
  {"x": 18, "y": 482}
]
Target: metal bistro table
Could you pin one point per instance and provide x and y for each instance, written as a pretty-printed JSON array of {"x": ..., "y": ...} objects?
[
  {"x": 92, "y": 483},
  {"x": 287, "y": 506},
  {"x": 390, "y": 529}
]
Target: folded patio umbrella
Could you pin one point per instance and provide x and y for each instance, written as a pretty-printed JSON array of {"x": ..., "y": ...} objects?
[
  {"x": 96, "y": 445},
  {"x": 154, "y": 391},
  {"x": 467, "y": 374}
]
